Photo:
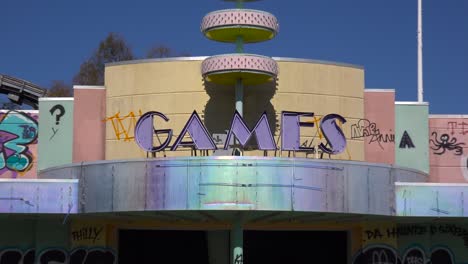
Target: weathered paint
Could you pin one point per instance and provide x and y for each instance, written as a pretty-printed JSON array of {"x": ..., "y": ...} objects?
[
  {"x": 378, "y": 126},
  {"x": 448, "y": 145},
  {"x": 432, "y": 199},
  {"x": 40, "y": 196},
  {"x": 236, "y": 183},
  {"x": 89, "y": 124},
  {"x": 56, "y": 133},
  {"x": 19, "y": 141},
  {"x": 411, "y": 135}
]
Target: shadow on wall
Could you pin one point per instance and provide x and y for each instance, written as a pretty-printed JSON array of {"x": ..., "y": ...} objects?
[{"x": 220, "y": 108}]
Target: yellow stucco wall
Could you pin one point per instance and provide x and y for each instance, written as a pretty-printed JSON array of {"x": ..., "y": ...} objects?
[{"x": 176, "y": 88}]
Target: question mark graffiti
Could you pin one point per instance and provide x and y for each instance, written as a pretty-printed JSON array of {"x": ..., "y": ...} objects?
[{"x": 60, "y": 114}]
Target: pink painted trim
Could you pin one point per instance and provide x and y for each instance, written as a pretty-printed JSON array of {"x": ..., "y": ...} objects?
[
  {"x": 239, "y": 17},
  {"x": 234, "y": 62}
]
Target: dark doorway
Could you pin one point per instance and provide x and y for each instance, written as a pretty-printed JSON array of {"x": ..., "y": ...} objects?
[
  {"x": 295, "y": 247},
  {"x": 162, "y": 246}
]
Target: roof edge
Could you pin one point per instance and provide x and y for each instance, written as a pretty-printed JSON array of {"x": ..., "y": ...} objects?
[{"x": 200, "y": 58}]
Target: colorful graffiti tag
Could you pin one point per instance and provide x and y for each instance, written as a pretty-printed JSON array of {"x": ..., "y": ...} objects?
[
  {"x": 124, "y": 126},
  {"x": 18, "y": 142}
]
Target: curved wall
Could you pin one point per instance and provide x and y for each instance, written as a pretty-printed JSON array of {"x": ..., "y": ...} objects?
[
  {"x": 175, "y": 87},
  {"x": 236, "y": 183}
]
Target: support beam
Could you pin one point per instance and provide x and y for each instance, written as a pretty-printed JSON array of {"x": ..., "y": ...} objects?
[
  {"x": 237, "y": 241},
  {"x": 240, "y": 97}
]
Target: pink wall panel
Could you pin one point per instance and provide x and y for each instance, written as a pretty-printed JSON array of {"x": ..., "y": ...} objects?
[
  {"x": 378, "y": 127},
  {"x": 448, "y": 148},
  {"x": 88, "y": 124}
]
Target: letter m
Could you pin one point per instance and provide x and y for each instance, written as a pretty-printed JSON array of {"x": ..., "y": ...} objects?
[{"x": 262, "y": 132}]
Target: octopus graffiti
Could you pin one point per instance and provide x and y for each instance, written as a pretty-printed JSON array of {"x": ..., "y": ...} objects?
[
  {"x": 447, "y": 142},
  {"x": 18, "y": 143}
]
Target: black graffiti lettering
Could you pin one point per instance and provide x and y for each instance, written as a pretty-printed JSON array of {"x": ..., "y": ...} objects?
[
  {"x": 365, "y": 128},
  {"x": 373, "y": 234},
  {"x": 87, "y": 233},
  {"x": 239, "y": 259},
  {"x": 452, "y": 126},
  {"x": 414, "y": 256},
  {"x": 54, "y": 132},
  {"x": 406, "y": 141},
  {"x": 59, "y": 113}
]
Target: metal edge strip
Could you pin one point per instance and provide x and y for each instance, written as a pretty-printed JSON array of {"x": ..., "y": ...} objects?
[
  {"x": 380, "y": 90},
  {"x": 39, "y": 181},
  {"x": 449, "y": 116},
  {"x": 431, "y": 184},
  {"x": 200, "y": 58}
]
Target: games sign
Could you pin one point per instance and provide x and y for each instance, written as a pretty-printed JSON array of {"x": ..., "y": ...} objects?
[{"x": 202, "y": 140}]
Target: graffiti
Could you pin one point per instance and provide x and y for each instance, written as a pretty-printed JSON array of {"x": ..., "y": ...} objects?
[
  {"x": 383, "y": 254},
  {"x": 452, "y": 126},
  {"x": 239, "y": 259},
  {"x": 17, "y": 131},
  {"x": 395, "y": 232},
  {"x": 61, "y": 112},
  {"x": 418, "y": 230},
  {"x": 87, "y": 233},
  {"x": 124, "y": 125},
  {"x": 364, "y": 128},
  {"x": 406, "y": 141},
  {"x": 77, "y": 256},
  {"x": 14, "y": 256},
  {"x": 54, "y": 132},
  {"x": 83, "y": 256},
  {"x": 446, "y": 143}
]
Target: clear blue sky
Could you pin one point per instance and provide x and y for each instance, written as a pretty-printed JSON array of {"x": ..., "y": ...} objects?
[{"x": 45, "y": 40}]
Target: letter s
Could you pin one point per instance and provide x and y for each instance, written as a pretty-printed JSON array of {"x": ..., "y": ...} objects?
[{"x": 333, "y": 134}]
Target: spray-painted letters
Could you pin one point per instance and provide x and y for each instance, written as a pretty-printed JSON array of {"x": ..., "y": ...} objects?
[
  {"x": 124, "y": 126},
  {"x": 17, "y": 132},
  {"x": 365, "y": 128}
]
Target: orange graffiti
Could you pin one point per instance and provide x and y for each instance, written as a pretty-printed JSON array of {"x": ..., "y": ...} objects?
[{"x": 124, "y": 125}]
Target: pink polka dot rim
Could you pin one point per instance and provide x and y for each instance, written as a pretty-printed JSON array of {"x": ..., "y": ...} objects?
[
  {"x": 236, "y": 18},
  {"x": 239, "y": 62}
]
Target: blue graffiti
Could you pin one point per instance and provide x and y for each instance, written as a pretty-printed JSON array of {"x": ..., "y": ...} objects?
[{"x": 17, "y": 130}]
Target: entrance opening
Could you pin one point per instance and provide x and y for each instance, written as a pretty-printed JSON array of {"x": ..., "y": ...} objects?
[
  {"x": 295, "y": 247},
  {"x": 162, "y": 246}
]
